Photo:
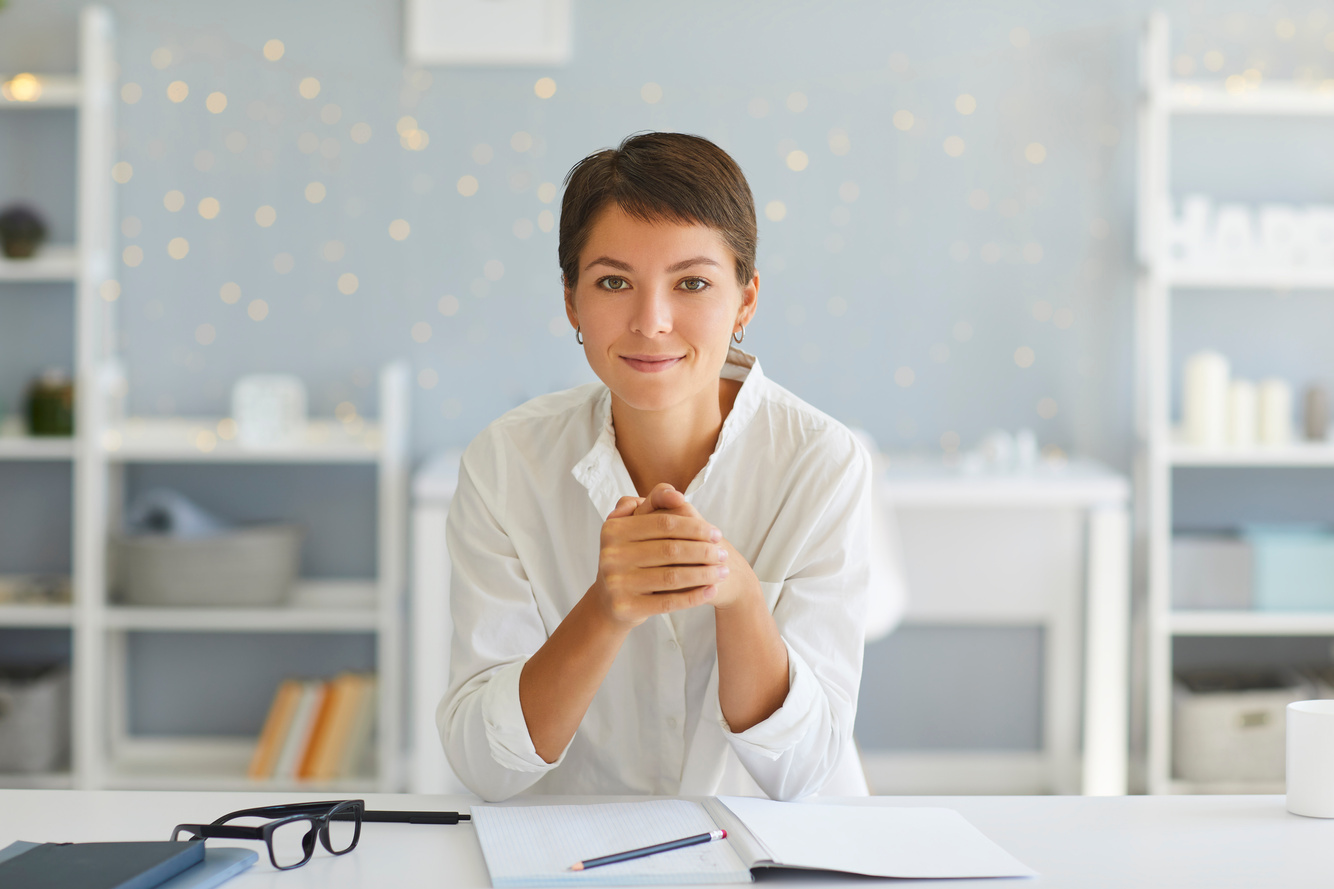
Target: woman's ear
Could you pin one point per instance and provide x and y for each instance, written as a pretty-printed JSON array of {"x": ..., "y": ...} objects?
[
  {"x": 750, "y": 295},
  {"x": 569, "y": 304}
]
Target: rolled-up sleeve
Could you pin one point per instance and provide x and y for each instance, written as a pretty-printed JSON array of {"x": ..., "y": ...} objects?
[
  {"x": 820, "y": 611},
  {"x": 497, "y": 626}
]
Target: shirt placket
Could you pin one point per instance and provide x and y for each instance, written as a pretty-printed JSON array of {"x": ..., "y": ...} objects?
[{"x": 671, "y": 705}]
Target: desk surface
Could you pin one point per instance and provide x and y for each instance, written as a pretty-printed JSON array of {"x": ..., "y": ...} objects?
[{"x": 1087, "y": 842}]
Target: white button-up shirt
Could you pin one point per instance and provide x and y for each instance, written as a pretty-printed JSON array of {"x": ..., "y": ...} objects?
[{"x": 789, "y": 487}]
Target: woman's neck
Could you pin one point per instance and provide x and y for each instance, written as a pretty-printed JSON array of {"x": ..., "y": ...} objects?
[{"x": 671, "y": 446}]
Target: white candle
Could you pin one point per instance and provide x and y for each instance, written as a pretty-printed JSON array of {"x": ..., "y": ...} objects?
[
  {"x": 1275, "y": 412},
  {"x": 1204, "y": 400},
  {"x": 1242, "y": 424}
]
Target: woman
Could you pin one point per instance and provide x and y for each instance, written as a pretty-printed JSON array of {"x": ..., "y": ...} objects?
[{"x": 659, "y": 580}]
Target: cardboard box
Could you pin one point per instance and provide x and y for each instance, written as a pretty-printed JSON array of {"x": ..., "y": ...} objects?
[
  {"x": 1211, "y": 571},
  {"x": 1230, "y": 723}
]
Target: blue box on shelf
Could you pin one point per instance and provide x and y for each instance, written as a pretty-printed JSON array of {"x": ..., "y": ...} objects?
[{"x": 1294, "y": 567}]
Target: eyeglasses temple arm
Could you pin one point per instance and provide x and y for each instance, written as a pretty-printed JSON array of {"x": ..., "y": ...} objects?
[{"x": 408, "y": 817}]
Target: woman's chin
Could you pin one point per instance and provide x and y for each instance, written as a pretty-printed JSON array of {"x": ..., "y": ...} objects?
[{"x": 644, "y": 395}]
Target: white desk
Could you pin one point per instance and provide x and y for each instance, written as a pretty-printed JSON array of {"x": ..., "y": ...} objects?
[
  {"x": 993, "y": 549},
  {"x": 1175, "y": 842}
]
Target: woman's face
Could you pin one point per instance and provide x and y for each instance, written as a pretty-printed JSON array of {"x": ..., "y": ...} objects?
[{"x": 657, "y": 303}]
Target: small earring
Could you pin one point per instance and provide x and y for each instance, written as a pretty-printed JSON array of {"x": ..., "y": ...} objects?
[
  {"x": 737, "y": 339},
  {"x": 579, "y": 335}
]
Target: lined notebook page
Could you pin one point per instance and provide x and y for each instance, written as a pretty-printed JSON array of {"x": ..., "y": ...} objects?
[{"x": 535, "y": 845}]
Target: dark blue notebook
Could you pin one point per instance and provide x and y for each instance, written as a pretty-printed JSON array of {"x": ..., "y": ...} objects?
[{"x": 99, "y": 865}]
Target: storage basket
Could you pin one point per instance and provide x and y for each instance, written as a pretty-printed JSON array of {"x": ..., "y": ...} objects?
[
  {"x": 247, "y": 567},
  {"x": 1230, "y": 724},
  {"x": 34, "y": 718},
  {"x": 1294, "y": 567},
  {"x": 1211, "y": 571}
]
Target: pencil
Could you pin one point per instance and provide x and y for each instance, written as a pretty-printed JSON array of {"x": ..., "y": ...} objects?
[{"x": 651, "y": 850}]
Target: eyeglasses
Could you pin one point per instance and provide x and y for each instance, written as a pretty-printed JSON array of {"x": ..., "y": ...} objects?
[{"x": 291, "y": 831}]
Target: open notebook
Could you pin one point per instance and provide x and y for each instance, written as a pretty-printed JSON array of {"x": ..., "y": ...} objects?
[{"x": 535, "y": 845}]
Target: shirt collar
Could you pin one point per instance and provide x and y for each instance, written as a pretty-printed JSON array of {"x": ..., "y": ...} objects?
[{"x": 602, "y": 472}]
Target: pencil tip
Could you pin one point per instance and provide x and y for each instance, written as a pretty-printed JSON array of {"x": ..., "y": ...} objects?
[{"x": 579, "y": 866}]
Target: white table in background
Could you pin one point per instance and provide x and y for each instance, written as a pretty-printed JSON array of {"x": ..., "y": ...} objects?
[
  {"x": 1172, "y": 842},
  {"x": 430, "y": 627},
  {"x": 953, "y": 521},
  {"x": 919, "y": 489}
]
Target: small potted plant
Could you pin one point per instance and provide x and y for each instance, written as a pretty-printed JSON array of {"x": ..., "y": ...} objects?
[{"x": 21, "y": 231}]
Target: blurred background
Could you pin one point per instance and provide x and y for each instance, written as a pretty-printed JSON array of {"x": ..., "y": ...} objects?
[{"x": 947, "y": 198}]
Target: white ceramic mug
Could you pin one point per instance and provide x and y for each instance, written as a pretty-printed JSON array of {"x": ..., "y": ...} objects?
[{"x": 1311, "y": 758}]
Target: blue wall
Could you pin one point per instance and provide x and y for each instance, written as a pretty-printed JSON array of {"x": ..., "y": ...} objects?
[
  {"x": 909, "y": 274},
  {"x": 891, "y": 254}
]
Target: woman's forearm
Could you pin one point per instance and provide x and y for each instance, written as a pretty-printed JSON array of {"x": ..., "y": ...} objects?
[
  {"x": 752, "y": 659},
  {"x": 559, "y": 681}
]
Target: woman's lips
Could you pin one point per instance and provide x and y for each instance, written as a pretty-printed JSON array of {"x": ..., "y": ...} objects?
[{"x": 651, "y": 364}]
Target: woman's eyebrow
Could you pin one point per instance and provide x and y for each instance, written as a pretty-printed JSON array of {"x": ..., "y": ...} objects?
[
  {"x": 674, "y": 267},
  {"x": 693, "y": 261},
  {"x": 614, "y": 263}
]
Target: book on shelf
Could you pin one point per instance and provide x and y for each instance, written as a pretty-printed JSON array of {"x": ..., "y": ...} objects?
[
  {"x": 355, "y": 753},
  {"x": 281, "y": 714},
  {"x": 316, "y": 729}
]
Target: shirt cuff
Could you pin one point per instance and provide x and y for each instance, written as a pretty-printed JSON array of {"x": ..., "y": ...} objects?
[
  {"x": 506, "y": 729},
  {"x": 787, "y": 725}
]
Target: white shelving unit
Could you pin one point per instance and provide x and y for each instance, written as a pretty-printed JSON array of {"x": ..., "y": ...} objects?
[
  {"x": 104, "y": 752},
  {"x": 371, "y": 606},
  {"x": 1163, "y": 448},
  {"x": 89, "y": 94}
]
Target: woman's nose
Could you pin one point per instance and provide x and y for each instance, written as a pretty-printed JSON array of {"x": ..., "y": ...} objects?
[{"x": 653, "y": 311}]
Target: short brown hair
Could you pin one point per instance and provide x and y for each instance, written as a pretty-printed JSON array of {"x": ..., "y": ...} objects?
[{"x": 660, "y": 176}]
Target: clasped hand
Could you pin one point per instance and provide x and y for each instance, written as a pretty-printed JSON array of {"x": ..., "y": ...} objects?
[{"x": 658, "y": 555}]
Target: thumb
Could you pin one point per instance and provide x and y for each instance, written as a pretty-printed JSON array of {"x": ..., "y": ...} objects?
[
  {"x": 663, "y": 496},
  {"x": 626, "y": 507}
]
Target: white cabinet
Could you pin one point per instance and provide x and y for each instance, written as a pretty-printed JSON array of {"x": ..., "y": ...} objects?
[{"x": 1164, "y": 456}]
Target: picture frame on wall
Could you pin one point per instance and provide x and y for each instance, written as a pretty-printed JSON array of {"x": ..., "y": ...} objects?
[{"x": 486, "y": 32}]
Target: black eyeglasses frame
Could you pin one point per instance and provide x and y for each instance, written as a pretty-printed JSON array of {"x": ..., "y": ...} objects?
[{"x": 319, "y": 814}]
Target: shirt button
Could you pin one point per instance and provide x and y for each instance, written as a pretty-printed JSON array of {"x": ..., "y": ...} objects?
[
  {"x": 671, "y": 645},
  {"x": 671, "y": 722}
]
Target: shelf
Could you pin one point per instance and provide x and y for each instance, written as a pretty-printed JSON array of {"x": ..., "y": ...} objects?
[
  {"x": 1250, "y": 623},
  {"x": 206, "y": 764},
  {"x": 317, "y": 606},
  {"x": 36, "y": 616},
  {"x": 36, "y": 780},
  {"x": 1274, "y": 98},
  {"x": 36, "y": 447},
  {"x": 58, "y": 91},
  {"x": 197, "y": 440},
  {"x": 1295, "y": 454},
  {"x": 53, "y": 262},
  {"x": 1251, "y": 279}
]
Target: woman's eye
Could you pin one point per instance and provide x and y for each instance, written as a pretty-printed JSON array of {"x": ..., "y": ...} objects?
[
  {"x": 694, "y": 285},
  {"x": 611, "y": 282}
]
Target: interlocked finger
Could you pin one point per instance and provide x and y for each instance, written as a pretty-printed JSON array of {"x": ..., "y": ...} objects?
[
  {"x": 662, "y": 525},
  {"x": 673, "y": 578},
  {"x": 680, "y": 552},
  {"x": 680, "y": 600}
]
